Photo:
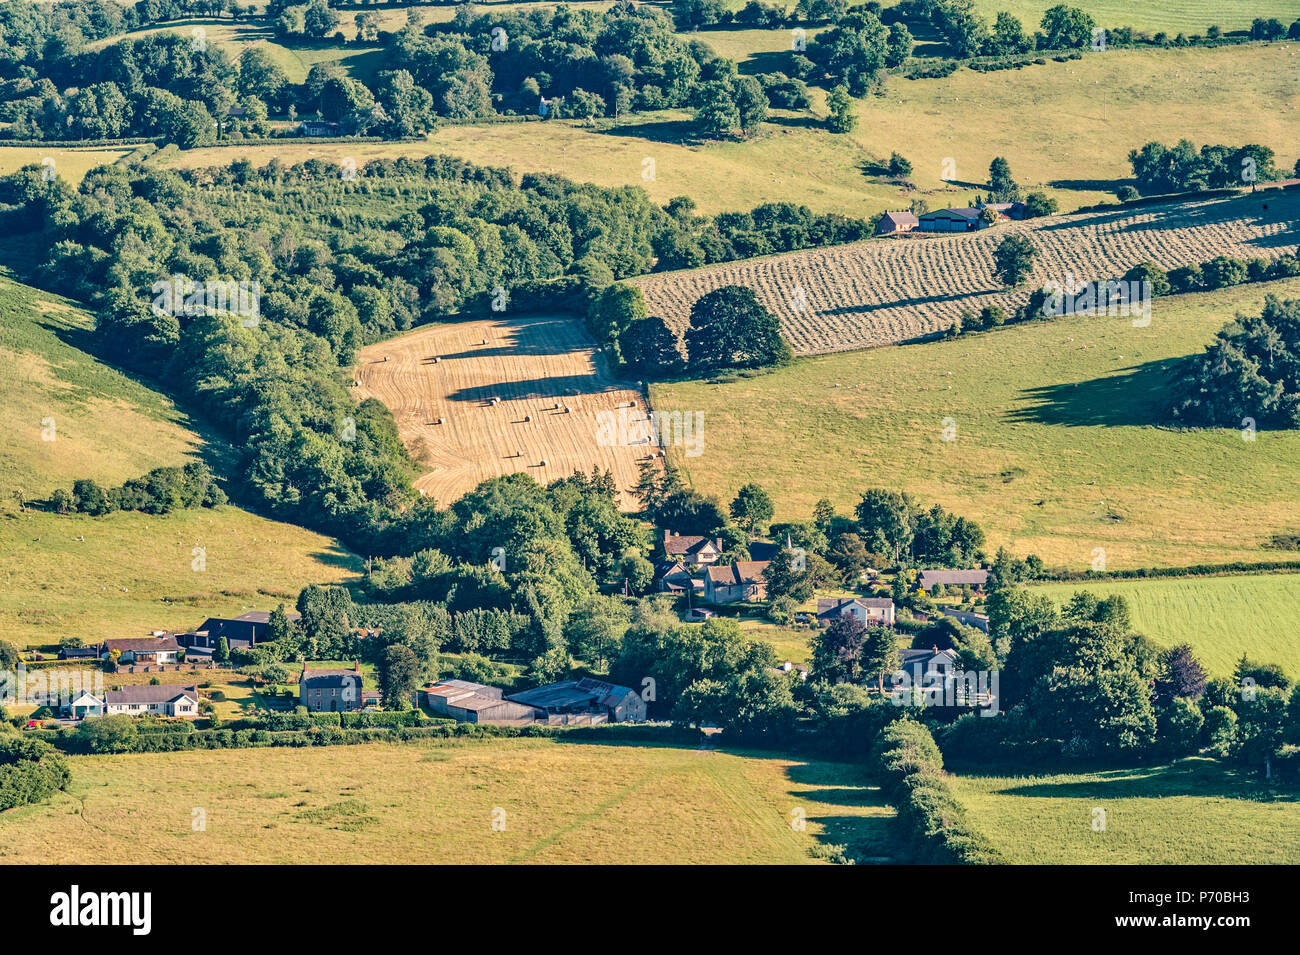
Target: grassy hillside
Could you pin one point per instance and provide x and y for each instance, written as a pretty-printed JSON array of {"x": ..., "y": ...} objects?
[
  {"x": 1068, "y": 127},
  {"x": 127, "y": 573},
  {"x": 1065, "y": 127},
  {"x": 1057, "y": 447},
  {"x": 1195, "y": 811},
  {"x": 71, "y": 415},
  {"x": 1192, "y": 17},
  {"x": 564, "y": 802},
  {"x": 71, "y": 164},
  {"x": 1221, "y": 617}
]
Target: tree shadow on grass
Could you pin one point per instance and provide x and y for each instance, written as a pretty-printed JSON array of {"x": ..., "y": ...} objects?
[
  {"x": 338, "y": 557},
  {"x": 679, "y": 132},
  {"x": 1194, "y": 776},
  {"x": 768, "y": 61},
  {"x": 800, "y": 121},
  {"x": 865, "y": 838},
  {"x": 1133, "y": 396},
  {"x": 1090, "y": 185}
]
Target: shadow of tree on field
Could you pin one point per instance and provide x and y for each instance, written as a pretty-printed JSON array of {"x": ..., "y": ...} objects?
[
  {"x": 797, "y": 122},
  {"x": 1133, "y": 396},
  {"x": 1195, "y": 776},
  {"x": 680, "y": 132},
  {"x": 768, "y": 61},
  {"x": 1090, "y": 185},
  {"x": 557, "y": 387},
  {"x": 864, "y": 838},
  {"x": 338, "y": 557},
  {"x": 911, "y": 302}
]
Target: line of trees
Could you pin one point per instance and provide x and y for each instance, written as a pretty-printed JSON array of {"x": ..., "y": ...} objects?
[
  {"x": 1182, "y": 167},
  {"x": 161, "y": 491}
]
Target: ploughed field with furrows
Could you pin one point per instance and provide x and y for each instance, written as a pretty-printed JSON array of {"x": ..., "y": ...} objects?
[
  {"x": 883, "y": 291},
  {"x": 479, "y": 399}
]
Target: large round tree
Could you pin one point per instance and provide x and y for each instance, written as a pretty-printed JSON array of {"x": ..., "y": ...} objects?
[{"x": 730, "y": 328}]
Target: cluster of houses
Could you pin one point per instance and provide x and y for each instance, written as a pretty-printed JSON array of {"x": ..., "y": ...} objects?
[
  {"x": 693, "y": 565},
  {"x": 949, "y": 220},
  {"x": 161, "y": 647}
]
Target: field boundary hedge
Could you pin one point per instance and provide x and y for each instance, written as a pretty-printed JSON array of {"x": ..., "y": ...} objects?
[
  {"x": 932, "y": 820},
  {"x": 251, "y": 733}
]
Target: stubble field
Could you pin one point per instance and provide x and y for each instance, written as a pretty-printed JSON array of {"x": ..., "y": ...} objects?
[{"x": 536, "y": 367}]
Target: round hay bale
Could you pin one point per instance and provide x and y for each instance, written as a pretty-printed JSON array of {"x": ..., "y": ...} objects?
[
  {"x": 543, "y": 462},
  {"x": 442, "y": 421},
  {"x": 566, "y": 409},
  {"x": 436, "y": 359},
  {"x": 527, "y": 418}
]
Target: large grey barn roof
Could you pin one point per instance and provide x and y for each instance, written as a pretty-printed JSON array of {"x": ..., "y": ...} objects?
[{"x": 572, "y": 693}]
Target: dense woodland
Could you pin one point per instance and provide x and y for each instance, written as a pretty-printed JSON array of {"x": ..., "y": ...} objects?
[{"x": 340, "y": 261}]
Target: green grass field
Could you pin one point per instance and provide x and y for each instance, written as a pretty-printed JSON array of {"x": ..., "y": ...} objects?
[
  {"x": 70, "y": 163},
  {"x": 1192, "y": 17},
  {"x": 1068, "y": 127},
  {"x": 69, "y": 416},
  {"x": 1194, "y": 811},
  {"x": 131, "y": 573},
  {"x": 1074, "y": 124},
  {"x": 1221, "y": 617},
  {"x": 563, "y": 802},
  {"x": 1057, "y": 446}
]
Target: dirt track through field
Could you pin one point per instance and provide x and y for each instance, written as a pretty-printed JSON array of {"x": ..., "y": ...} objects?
[
  {"x": 884, "y": 291},
  {"x": 535, "y": 367}
]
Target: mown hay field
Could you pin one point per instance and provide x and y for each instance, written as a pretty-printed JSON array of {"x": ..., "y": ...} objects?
[
  {"x": 882, "y": 291},
  {"x": 1220, "y": 617},
  {"x": 1192, "y": 812},
  {"x": 558, "y": 801},
  {"x": 536, "y": 368},
  {"x": 1059, "y": 443}
]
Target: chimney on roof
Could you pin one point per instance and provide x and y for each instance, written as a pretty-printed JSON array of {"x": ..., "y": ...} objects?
[
  {"x": 356, "y": 666},
  {"x": 933, "y": 648}
]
